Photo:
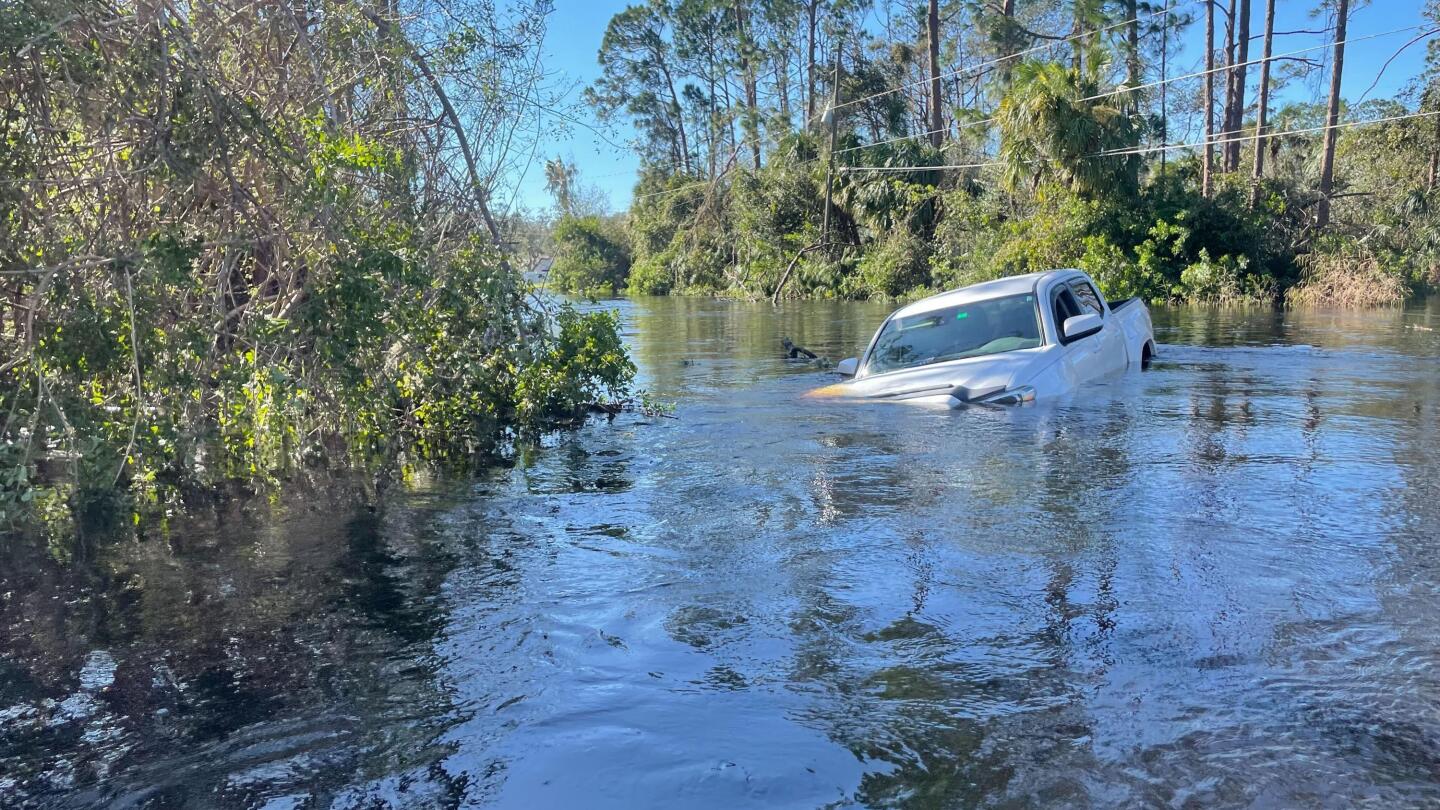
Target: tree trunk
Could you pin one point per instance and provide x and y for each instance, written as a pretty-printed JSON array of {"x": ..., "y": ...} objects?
[
  {"x": 782, "y": 83},
  {"x": 1132, "y": 51},
  {"x": 747, "y": 69},
  {"x": 932, "y": 30},
  {"x": 1435, "y": 158},
  {"x": 714, "y": 123},
  {"x": 729, "y": 107},
  {"x": 1077, "y": 46},
  {"x": 1433, "y": 96},
  {"x": 1224, "y": 133},
  {"x": 830, "y": 170},
  {"x": 1237, "y": 88},
  {"x": 1257, "y": 172},
  {"x": 1206, "y": 165},
  {"x": 1164, "y": 97},
  {"x": 810, "y": 9},
  {"x": 1332, "y": 116},
  {"x": 1007, "y": 11},
  {"x": 679, "y": 114}
]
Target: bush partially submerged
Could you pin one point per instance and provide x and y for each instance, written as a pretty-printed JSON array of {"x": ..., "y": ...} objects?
[
  {"x": 592, "y": 256},
  {"x": 391, "y": 353},
  {"x": 1346, "y": 276},
  {"x": 895, "y": 265}
]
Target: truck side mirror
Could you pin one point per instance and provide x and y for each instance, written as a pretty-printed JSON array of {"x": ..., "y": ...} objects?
[
  {"x": 1082, "y": 326},
  {"x": 848, "y": 366}
]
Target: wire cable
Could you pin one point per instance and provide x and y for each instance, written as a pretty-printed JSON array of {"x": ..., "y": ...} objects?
[
  {"x": 1142, "y": 150},
  {"x": 1126, "y": 89},
  {"x": 1008, "y": 57}
]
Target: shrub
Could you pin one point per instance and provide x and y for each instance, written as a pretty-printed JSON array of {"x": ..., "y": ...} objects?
[
  {"x": 1215, "y": 281},
  {"x": 1118, "y": 274},
  {"x": 967, "y": 238},
  {"x": 592, "y": 256},
  {"x": 1346, "y": 276},
  {"x": 650, "y": 275},
  {"x": 1050, "y": 236},
  {"x": 895, "y": 265},
  {"x": 584, "y": 363}
]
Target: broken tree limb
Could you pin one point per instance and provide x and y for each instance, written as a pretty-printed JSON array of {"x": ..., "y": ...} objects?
[
  {"x": 785, "y": 277},
  {"x": 388, "y": 29}
]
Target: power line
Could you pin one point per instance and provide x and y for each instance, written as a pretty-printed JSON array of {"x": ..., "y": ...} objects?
[
  {"x": 1126, "y": 89},
  {"x": 1142, "y": 150},
  {"x": 1223, "y": 68},
  {"x": 1138, "y": 150},
  {"x": 952, "y": 74},
  {"x": 1008, "y": 57},
  {"x": 716, "y": 179},
  {"x": 1123, "y": 90}
]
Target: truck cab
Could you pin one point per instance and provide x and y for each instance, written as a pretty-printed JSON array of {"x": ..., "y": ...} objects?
[{"x": 1001, "y": 342}]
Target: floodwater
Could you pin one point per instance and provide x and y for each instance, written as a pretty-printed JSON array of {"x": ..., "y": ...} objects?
[{"x": 1214, "y": 584}]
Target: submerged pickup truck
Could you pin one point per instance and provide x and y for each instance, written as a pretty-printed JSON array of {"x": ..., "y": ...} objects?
[{"x": 1003, "y": 342}]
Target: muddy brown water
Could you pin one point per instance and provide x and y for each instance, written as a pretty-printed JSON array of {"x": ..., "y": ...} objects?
[{"x": 1214, "y": 584}]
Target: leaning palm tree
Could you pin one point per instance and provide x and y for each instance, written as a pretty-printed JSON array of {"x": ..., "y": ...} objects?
[{"x": 1058, "y": 125}]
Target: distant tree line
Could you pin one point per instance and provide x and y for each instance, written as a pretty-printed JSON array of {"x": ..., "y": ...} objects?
[{"x": 977, "y": 138}]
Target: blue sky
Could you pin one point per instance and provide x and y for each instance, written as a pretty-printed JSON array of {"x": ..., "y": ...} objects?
[{"x": 577, "y": 26}]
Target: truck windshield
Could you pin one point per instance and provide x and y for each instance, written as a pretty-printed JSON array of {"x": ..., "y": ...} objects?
[{"x": 970, "y": 330}]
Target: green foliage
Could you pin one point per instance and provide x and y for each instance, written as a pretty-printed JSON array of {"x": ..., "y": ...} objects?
[
  {"x": 966, "y": 237},
  {"x": 895, "y": 265},
  {"x": 650, "y": 275},
  {"x": 676, "y": 229},
  {"x": 1056, "y": 127},
  {"x": 583, "y": 363},
  {"x": 1050, "y": 162},
  {"x": 218, "y": 281},
  {"x": 592, "y": 256}
]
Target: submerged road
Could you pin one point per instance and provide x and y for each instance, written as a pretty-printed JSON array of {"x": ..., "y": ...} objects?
[{"x": 1214, "y": 584}]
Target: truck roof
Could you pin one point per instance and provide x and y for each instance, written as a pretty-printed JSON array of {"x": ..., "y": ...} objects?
[{"x": 999, "y": 288}]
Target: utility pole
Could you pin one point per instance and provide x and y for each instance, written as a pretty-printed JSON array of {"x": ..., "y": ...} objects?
[
  {"x": 1164, "y": 100},
  {"x": 932, "y": 27},
  {"x": 1207, "y": 164},
  {"x": 832, "y": 114}
]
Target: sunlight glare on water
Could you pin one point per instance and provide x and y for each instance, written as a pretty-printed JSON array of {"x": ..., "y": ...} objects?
[{"x": 1213, "y": 584}]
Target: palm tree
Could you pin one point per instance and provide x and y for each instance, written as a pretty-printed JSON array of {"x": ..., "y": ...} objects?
[
  {"x": 1052, "y": 128},
  {"x": 560, "y": 182}
]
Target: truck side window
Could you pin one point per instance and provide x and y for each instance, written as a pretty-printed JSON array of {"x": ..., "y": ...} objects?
[
  {"x": 1065, "y": 307},
  {"x": 1088, "y": 297}
]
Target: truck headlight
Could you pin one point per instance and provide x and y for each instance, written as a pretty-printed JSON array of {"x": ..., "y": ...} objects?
[{"x": 1013, "y": 396}]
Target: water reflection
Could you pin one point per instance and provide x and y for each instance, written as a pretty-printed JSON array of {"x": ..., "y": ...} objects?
[{"x": 1208, "y": 585}]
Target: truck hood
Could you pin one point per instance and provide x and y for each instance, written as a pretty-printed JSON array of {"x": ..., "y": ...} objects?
[{"x": 965, "y": 379}]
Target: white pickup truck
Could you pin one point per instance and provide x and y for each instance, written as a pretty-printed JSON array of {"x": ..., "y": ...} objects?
[{"x": 1003, "y": 342}]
